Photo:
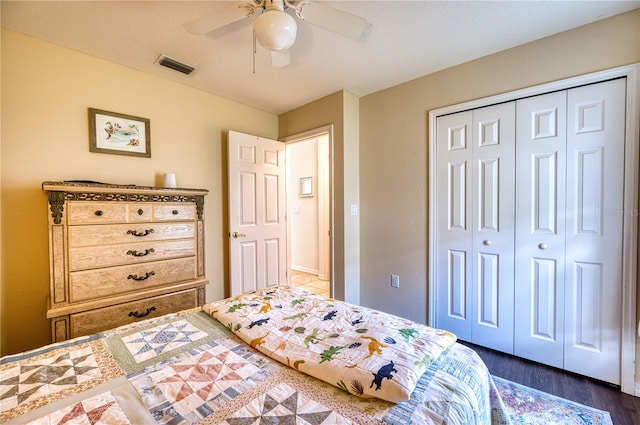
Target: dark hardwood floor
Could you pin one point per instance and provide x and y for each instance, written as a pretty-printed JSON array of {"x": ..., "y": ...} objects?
[{"x": 624, "y": 408}]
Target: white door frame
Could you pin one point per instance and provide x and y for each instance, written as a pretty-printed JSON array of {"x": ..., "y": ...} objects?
[
  {"x": 630, "y": 210},
  {"x": 309, "y": 134}
]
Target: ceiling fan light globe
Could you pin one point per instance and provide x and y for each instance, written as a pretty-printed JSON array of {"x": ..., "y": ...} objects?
[{"x": 275, "y": 30}]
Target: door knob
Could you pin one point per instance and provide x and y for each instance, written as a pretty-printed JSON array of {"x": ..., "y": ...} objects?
[
  {"x": 486, "y": 242},
  {"x": 543, "y": 246},
  {"x": 237, "y": 235}
]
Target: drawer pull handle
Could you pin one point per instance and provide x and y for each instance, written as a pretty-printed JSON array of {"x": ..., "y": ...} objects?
[
  {"x": 174, "y": 212},
  {"x": 99, "y": 213},
  {"x": 136, "y": 314},
  {"x": 135, "y": 233},
  {"x": 140, "y": 254},
  {"x": 140, "y": 211},
  {"x": 145, "y": 277}
]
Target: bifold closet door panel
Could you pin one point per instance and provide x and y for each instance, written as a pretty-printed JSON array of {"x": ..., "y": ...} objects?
[
  {"x": 453, "y": 228},
  {"x": 595, "y": 183},
  {"x": 493, "y": 226},
  {"x": 540, "y": 229},
  {"x": 475, "y": 221}
]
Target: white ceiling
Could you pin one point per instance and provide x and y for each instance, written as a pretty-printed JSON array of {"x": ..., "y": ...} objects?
[{"x": 408, "y": 39}]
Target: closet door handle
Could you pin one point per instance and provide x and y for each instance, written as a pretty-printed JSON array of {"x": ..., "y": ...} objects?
[
  {"x": 486, "y": 242},
  {"x": 543, "y": 246}
]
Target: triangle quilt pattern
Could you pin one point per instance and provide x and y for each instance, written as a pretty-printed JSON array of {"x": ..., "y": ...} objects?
[
  {"x": 100, "y": 409},
  {"x": 155, "y": 341},
  {"x": 283, "y": 405},
  {"x": 183, "y": 387},
  {"x": 46, "y": 375}
]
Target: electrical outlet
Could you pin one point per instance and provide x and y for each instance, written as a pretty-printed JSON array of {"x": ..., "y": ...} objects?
[{"x": 395, "y": 281}]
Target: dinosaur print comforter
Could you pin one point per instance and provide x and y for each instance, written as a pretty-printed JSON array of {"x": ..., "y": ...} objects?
[
  {"x": 187, "y": 368},
  {"x": 365, "y": 352}
]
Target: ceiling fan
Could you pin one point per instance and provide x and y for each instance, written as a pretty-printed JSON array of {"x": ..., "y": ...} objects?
[{"x": 275, "y": 29}]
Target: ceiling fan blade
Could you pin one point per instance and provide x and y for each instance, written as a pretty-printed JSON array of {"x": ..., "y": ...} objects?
[
  {"x": 280, "y": 58},
  {"x": 335, "y": 20},
  {"x": 219, "y": 19}
]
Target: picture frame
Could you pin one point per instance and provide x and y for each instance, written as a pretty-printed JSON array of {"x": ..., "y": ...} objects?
[
  {"x": 306, "y": 187},
  {"x": 119, "y": 134}
]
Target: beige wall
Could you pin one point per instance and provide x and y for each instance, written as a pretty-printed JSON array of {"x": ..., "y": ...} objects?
[
  {"x": 393, "y": 146},
  {"x": 1, "y": 267},
  {"x": 46, "y": 90},
  {"x": 302, "y": 212},
  {"x": 394, "y": 150},
  {"x": 341, "y": 110}
]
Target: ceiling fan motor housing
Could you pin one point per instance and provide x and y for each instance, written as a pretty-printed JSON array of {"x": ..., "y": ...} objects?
[{"x": 275, "y": 29}]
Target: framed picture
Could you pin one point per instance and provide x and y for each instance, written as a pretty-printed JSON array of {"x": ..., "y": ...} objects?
[
  {"x": 120, "y": 134},
  {"x": 306, "y": 187}
]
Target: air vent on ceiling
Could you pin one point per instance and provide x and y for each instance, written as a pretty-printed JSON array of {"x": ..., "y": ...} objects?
[{"x": 176, "y": 65}]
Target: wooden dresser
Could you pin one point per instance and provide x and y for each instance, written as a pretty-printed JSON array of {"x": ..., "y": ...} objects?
[{"x": 119, "y": 254}]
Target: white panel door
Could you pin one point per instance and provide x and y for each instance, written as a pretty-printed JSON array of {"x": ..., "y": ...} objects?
[
  {"x": 595, "y": 149},
  {"x": 257, "y": 237},
  {"x": 474, "y": 260},
  {"x": 454, "y": 234},
  {"x": 493, "y": 226},
  {"x": 540, "y": 229}
]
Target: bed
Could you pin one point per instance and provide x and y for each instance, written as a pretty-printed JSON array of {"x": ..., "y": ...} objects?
[{"x": 275, "y": 356}]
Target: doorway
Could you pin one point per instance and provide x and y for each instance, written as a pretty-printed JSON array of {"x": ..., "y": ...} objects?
[{"x": 308, "y": 187}]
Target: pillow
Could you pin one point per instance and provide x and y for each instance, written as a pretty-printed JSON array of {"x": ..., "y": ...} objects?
[{"x": 362, "y": 351}]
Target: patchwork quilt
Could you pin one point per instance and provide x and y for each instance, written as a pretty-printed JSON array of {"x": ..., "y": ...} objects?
[{"x": 188, "y": 368}]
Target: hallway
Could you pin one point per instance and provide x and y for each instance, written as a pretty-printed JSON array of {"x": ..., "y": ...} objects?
[{"x": 311, "y": 283}]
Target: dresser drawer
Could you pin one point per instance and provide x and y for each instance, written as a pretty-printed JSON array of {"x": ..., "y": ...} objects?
[
  {"x": 139, "y": 213},
  {"x": 108, "y": 212},
  {"x": 96, "y": 212},
  {"x": 83, "y": 285},
  {"x": 94, "y": 257},
  {"x": 174, "y": 212},
  {"x": 101, "y": 319},
  {"x": 110, "y": 234}
]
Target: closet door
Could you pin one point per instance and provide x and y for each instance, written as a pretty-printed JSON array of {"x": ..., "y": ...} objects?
[
  {"x": 493, "y": 226},
  {"x": 593, "y": 296},
  {"x": 541, "y": 177},
  {"x": 453, "y": 229},
  {"x": 540, "y": 230},
  {"x": 475, "y": 224}
]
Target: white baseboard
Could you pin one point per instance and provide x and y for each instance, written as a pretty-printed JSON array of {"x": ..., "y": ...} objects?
[
  {"x": 637, "y": 389},
  {"x": 304, "y": 269}
]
